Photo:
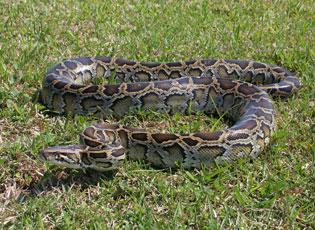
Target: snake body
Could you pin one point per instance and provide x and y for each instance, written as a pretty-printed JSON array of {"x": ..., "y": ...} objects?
[{"x": 236, "y": 89}]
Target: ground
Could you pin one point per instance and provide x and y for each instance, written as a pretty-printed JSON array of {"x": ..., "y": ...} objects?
[{"x": 276, "y": 190}]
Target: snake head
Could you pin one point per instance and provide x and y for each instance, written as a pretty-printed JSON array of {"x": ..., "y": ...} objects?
[
  {"x": 101, "y": 149},
  {"x": 101, "y": 158},
  {"x": 67, "y": 156}
]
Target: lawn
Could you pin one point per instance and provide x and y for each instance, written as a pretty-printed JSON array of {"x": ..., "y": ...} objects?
[{"x": 276, "y": 190}]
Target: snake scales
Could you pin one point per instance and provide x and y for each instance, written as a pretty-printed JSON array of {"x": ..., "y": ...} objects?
[{"x": 213, "y": 86}]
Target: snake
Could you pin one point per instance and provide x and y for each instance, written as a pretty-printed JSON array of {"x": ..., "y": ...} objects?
[{"x": 240, "y": 90}]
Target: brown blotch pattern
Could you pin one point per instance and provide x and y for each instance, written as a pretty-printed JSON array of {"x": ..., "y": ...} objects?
[
  {"x": 258, "y": 65},
  {"x": 84, "y": 60},
  {"x": 202, "y": 80},
  {"x": 246, "y": 89},
  {"x": 245, "y": 124},
  {"x": 121, "y": 62},
  {"x": 140, "y": 136},
  {"x": 237, "y": 136},
  {"x": 76, "y": 86},
  {"x": 70, "y": 64},
  {"x": 110, "y": 90},
  {"x": 173, "y": 64},
  {"x": 190, "y": 141},
  {"x": 104, "y": 59},
  {"x": 226, "y": 84},
  {"x": 135, "y": 87},
  {"x": 90, "y": 89},
  {"x": 150, "y": 64},
  {"x": 242, "y": 64},
  {"x": 98, "y": 155},
  {"x": 91, "y": 143},
  {"x": 161, "y": 137},
  {"x": 209, "y": 136},
  {"x": 60, "y": 84},
  {"x": 118, "y": 152}
]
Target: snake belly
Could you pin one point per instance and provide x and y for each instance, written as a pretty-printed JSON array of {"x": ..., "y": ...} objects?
[{"x": 237, "y": 89}]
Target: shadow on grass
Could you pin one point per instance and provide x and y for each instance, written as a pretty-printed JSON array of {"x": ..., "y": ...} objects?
[{"x": 60, "y": 180}]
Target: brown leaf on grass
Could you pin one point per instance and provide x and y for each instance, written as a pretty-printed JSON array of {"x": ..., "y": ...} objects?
[
  {"x": 29, "y": 170},
  {"x": 11, "y": 191}
]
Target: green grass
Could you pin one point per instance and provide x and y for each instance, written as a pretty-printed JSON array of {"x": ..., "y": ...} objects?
[{"x": 274, "y": 191}]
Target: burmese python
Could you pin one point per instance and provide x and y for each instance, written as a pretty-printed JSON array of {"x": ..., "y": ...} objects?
[{"x": 213, "y": 86}]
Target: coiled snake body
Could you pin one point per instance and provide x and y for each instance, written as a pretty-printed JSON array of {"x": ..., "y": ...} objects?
[{"x": 213, "y": 86}]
